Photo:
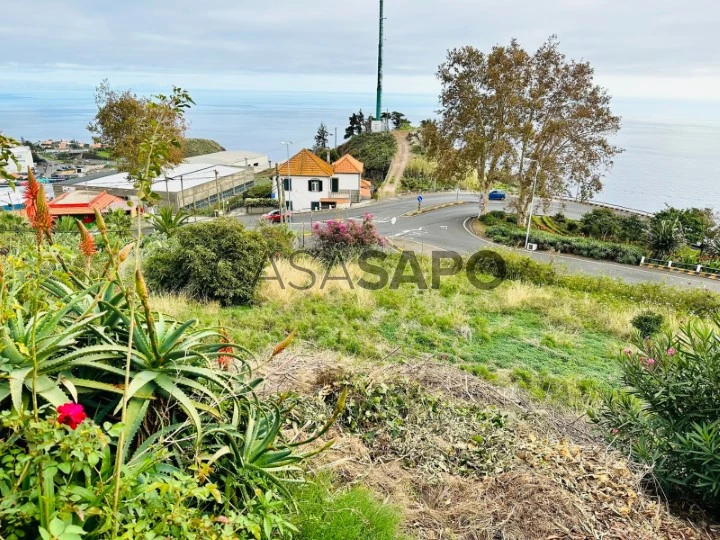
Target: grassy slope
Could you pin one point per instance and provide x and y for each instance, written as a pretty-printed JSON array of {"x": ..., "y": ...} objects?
[
  {"x": 200, "y": 147},
  {"x": 556, "y": 342}
]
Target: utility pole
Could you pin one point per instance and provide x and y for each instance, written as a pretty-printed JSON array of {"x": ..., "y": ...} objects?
[
  {"x": 532, "y": 202},
  {"x": 287, "y": 146},
  {"x": 336, "y": 138},
  {"x": 280, "y": 194},
  {"x": 378, "y": 105},
  {"x": 217, "y": 190},
  {"x": 182, "y": 192},
  {"x": 167, "y": 192}
]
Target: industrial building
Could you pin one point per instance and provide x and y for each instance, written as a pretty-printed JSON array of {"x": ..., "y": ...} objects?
[
  {"x": 189, "y": 185},
  {"x": 234, "y": 158}
]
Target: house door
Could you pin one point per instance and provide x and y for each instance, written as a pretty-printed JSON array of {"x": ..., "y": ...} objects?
[{"x": 315, "y": 205}]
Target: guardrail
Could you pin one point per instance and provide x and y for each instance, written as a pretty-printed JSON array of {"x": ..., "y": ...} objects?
[
  {"x": 682, "y": 268},
  {"x": 609, "y": 205}
]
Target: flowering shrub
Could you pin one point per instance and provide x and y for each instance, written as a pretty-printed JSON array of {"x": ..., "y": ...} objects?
[
  {"x": 669, "y": 415},
  {"x": 71, "y": 414},
  {"x": 338, "y": 240}
]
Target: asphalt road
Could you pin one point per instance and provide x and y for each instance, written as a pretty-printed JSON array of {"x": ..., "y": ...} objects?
[{"x": 448, "y": 229}]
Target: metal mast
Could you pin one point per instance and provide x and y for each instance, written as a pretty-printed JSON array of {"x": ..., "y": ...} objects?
[{"x": 378, "y": 106}]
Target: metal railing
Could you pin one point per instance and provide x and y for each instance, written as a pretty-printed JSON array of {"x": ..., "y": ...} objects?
[{"x": 672, "y": 265}]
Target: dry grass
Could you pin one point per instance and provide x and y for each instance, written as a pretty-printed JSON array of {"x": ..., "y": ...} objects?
[
  {"x": 565, "y": 483},
  {"x": 295, "y": 283}
]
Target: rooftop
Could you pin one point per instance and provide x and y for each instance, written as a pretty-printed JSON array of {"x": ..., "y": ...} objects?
[
  {"x": 184, "y": 176},
  {"x": 238, "y": 158},
  {"x": 348, "y": 165},
  {"x": 82, "y": 202},
  {"x": 305, "y": 163}
]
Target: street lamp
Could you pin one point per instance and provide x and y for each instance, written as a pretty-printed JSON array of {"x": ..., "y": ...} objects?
[
  {"x": 287, "y": 146},
  {"x": 532, "y": 201}
]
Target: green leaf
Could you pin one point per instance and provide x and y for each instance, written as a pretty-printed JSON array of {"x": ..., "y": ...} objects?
[{"x": 17, "y": 381}]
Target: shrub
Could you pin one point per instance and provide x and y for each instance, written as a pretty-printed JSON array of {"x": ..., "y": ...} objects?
[
  {"x": 339, "y": 240},
  {"x": 261, "y": 203},
  {"x": 585, "y": 247},
  {"x": 280, "y": 240},
  {"x": 647, "y": 323},
  {"x": 493, "y": 218},
  {"x": 261, "y": 190},
  {"x": 669, "y": 416},
  {"x": 375, "y": 150},
  {"x": 214, "y": 260}
]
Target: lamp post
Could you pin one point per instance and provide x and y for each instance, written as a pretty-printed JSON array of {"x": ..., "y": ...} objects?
[
  {"x": 532, "y": 201},
  {"x": 287, "y": 146}
]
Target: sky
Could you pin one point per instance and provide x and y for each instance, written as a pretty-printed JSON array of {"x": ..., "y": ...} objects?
[{"x": 641, "y": 49}]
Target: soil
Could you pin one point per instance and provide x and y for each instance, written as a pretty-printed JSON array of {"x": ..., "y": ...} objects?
[
  {"x": 397, "y": 167},
  {"x": 564, "y": 482}
]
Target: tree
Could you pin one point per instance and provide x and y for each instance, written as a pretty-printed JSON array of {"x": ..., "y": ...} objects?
[
  {"x": 398, "y": 120},
  {"x": 665, "y": 236},
  {"x": 8, "y": 162},
  {"x": 321, "y": 137},
  {"x": 357, "y": 124},
  {"x": 563, "y": 123},
  {"x": 697, "y": 223},
  {"x": 601, "y": 223},
  {"x": 501, "y": 109},
  {"x": 477, "y": 99},
  {"x": 125, "y": 121}
]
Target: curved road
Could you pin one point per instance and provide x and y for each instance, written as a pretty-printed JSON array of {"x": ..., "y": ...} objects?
[{"x": 447, "y": 229}]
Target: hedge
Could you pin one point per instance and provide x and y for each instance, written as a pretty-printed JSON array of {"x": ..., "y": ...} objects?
[
  {"x": 585, "y": 247},
  {"x": 261, "y": 203}
]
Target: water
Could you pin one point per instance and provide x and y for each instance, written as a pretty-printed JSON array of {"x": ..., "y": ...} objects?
[{"x": 671, "y": 149}]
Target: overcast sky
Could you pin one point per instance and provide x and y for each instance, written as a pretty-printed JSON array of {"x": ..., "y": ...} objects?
[{"x": 640, "y": 48}]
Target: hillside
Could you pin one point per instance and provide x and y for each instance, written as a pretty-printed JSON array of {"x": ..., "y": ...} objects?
[
  {"x": 375, "y": 150},
  {"x": 200, "y": 147}
]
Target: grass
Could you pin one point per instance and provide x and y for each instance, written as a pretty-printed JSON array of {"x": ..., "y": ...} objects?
[
  {"x": 324, "y": 514},
  {"x": 555, "y": 333}
]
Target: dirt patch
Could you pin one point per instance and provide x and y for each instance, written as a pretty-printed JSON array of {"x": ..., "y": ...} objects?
[
  {"x": 562, "y": 482},
  {"x": 397, "y": 167}
]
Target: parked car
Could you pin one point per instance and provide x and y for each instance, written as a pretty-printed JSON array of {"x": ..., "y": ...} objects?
[
  {"x": 275, "y": 216},
  {"x": 496, "y": 195}
]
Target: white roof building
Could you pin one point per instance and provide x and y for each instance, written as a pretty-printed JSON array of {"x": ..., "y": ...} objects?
[
  {"x": 234, "y": 158},
  {"x": 187, "y": 185}
]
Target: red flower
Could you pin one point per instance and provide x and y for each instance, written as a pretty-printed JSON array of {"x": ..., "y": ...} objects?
[{"x": 71, "y": 414}]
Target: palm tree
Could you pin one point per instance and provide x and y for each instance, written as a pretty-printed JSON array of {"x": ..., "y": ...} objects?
[{"x": 166, "y": 221}]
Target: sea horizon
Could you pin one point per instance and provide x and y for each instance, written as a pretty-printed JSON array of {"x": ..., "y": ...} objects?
[{"x": 670, "y": 156}]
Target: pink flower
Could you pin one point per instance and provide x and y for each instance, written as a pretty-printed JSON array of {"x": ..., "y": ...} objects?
[
  {"x": 671, "y": 351},
  {"x": 71, "y": 414},
  {"x": 627, "y": 351},
  {"x": 650, "y": 362},
  {"x": 615, "y": 431}
]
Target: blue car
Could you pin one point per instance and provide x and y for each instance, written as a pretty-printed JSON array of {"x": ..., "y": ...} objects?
[{"x": 496, "y": 195}]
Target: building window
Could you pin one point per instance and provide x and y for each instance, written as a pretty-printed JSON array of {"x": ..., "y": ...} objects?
[
  {"x": 287, "y": 184},
  {"x": 314, "y": 185},
  {"x": 335, "y": 185},
  {"x": 288, "y": 205}
]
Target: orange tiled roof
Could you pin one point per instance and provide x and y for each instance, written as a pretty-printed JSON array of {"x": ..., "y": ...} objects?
[
  {"x": 305, "y": 163},
  {"x": 365, "y": 183},
  {"x": 82, "y": 202},
  {"x": 348, "y": 165}
]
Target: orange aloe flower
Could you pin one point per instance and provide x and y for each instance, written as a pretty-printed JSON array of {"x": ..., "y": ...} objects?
[{"x": 87, "y": 242}]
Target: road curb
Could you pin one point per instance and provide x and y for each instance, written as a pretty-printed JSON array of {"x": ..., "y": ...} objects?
[
  {"x": 435, "y": 207},
  {"x": 705, "y": 275}
]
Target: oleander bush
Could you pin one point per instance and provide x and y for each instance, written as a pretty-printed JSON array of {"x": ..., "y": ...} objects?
[
  {"x": 339, "y": 240},
  {"x": 668, "y": 417}
]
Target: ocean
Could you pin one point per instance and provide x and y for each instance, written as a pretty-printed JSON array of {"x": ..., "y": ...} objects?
[{"x": 671, "y": 152}]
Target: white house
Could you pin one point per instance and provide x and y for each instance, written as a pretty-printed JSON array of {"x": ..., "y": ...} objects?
[{"x": 311, "y": 183}]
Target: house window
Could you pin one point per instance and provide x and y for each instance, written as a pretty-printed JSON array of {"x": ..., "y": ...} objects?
[
  {"x": 335, "y": 185},
  {"x": 288, "y": 205},
  {"x": 287, "y": 184},
  {"x": 314, "y": 185}
]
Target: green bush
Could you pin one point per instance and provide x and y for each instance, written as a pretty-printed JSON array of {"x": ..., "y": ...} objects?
[
  {"x": 594, "y": 249},
  {"x": 261, "y": 190},
  {"x": 669, "y": 416},
  {"x": 280, "y": 240},
  {"x": 647, "y": 323},
  {"x": 213, "y": 260},
  {"x": 261, "y": 203}
]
